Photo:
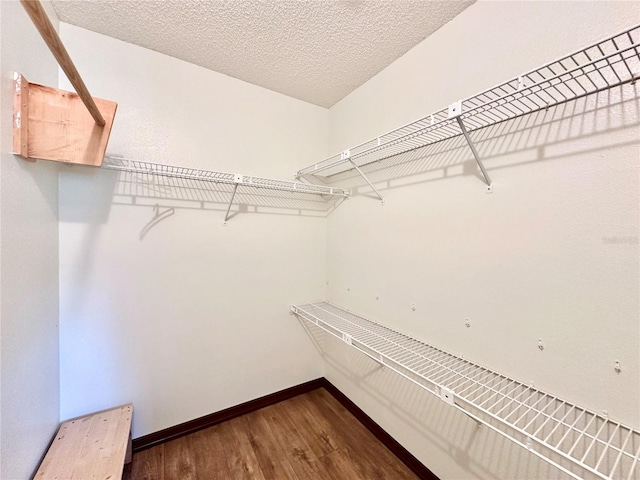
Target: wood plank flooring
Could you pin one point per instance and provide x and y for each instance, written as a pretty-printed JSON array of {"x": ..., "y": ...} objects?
[{"x": 308, "y": 437}]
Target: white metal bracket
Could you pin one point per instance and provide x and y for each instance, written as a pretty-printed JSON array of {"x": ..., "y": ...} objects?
[
  {"x": 455, "y": 109},
  {"x": 366, "y": 180},
  {"x": 347, "y": 339},
  {"x": 475, "y": 152},
  {"x": 345, "y": 155},
  {"x": 233, "y": 195},
  {"x": 447, "y": 395},
  {"x": 520, "y": 83}
]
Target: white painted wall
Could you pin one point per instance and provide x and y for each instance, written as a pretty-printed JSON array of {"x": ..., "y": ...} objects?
[
  {"x": 531, "y": 261},
  {"x": 29, "y": 387},
  {"x": 193, "y": 318}
]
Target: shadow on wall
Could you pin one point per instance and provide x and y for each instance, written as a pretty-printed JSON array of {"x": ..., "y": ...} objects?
[
  {"x": 614, "y": 110},
  {"x": 86, "y": 194},
  {"x": 144, "y": 190},
  {"x": 89, "y": 194},
  {"x": 41, "y": 172},
  {"x": 476, "y": 450}
]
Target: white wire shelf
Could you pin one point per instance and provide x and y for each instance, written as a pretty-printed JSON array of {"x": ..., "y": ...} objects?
[
  {"x": 579, "y": 442},
  {"x": 608, "y": 63},
  {"x": 146, "y": 168}
]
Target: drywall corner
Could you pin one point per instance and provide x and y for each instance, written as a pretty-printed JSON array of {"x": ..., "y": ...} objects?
[
  {"x": 552, "y": 254},
  {"x": 29, "y": 348}
]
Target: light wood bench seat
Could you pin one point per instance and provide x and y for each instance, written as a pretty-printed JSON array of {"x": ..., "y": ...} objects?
[{"x": 92, "y": 447}]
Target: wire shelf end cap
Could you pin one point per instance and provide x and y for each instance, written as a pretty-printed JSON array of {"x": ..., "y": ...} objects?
[{"x": 447, "y": 396}]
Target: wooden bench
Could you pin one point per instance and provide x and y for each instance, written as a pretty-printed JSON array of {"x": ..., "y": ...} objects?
[{"x": 92, "y": 447}]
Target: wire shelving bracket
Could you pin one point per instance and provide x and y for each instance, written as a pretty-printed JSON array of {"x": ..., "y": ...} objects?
[
  {"x": 609, "y": 63},
  {"x": 234, "y": 179},
  {"x": 579, "y": 442},
  {"x": 346, "y": 155},
  {"x": 455, "y": 110}
]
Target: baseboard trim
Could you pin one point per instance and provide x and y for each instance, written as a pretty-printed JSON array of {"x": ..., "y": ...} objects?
[
  {"x": 192, "y": 426},
  {"x": 177, "y": 431},
  {"x": 415, "y": 465}
]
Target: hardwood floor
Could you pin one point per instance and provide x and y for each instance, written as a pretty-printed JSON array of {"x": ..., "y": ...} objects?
[{"x": 308, "y": 437}]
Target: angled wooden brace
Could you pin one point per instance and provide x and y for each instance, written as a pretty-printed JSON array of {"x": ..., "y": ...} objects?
[{"x": 53, "y": 124}]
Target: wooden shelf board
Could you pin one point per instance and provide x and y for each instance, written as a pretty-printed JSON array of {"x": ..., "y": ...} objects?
[
  {"x": 53, "y": 124},
  {"x": 94, "y": 446}
]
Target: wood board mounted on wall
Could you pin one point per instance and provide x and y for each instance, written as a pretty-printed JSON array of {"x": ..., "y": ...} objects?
[{"x": 53, "y": 124}]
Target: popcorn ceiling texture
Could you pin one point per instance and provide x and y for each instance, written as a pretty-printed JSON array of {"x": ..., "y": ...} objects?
[{"x": 317, "y": 51}]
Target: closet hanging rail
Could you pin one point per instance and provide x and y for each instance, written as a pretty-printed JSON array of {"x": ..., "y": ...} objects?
[
  {"x": 579, "y": 442},
  {"x": 606, "y": 64}
]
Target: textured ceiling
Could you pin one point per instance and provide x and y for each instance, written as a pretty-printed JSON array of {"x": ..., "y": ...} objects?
[{"x": 314, "y": 50}]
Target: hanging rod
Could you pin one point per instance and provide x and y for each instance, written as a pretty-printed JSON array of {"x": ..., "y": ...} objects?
[
  {"x": 39, "y": 17},
  {"x": 555, "y": 430},
  {"x": 147, "y": 168},
  {"x": 606, "y": 64}
]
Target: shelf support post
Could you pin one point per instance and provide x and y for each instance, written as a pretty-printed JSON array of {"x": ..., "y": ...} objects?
[
  {"x": 367, "y": 180},
  {"x": 346, "y": 155},
  {"x": 233, "y": 195},
  {"x": 474, "y": 151},
  {"x": 455, "y": 110}
]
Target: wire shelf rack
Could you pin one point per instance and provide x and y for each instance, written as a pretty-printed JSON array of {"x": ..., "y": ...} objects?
[
  {"x": 147, "y": 168},
  {"x": 606, "y": 64},
  {"x": 581, "y": 443}
]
